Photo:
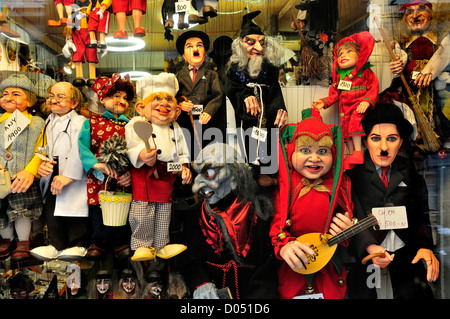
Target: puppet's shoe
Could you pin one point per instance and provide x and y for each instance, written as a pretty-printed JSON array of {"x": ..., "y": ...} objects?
[
  {"x": 144, "y": 253},
  {"x": 22, "y": 252},
  {"x": 139, "y": 32},
  {"x": 123, "y": 251},
  {"x": 181, "y": 24},
  {"x": 53, "y": 23},
  {"x": 89, "y": 82},
  {"x": 120, "y": 34},
  {"x": 168, "y": 24},
  {"x": 79, "y": 82},
  {"x": 170, "y": 251},
  {"x": 72, "y": 254},
  {"x": 44, "y": 253},
  {"x": 63, "y": 21},
  {"x": 209, "y": 11},
  {"x": 5, "y": 248},
  {"x": 94, "y": 252},
  {"x": 196, "y": 19}
]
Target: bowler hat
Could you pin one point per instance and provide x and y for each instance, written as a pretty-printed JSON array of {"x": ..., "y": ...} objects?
[{"x": 181, "y": 41}]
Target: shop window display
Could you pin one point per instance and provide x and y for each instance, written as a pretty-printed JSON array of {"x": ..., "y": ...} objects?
[{"x": 36, "y": 44}]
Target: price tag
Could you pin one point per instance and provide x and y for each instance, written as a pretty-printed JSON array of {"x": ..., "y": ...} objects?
[
  {"x": 197, "y": 109},
  {"x": 414, "y": 75},
  {"x": 345, "y": 85},
  {"x": 43, "y": 157},
  {"x": 391, "y": 217},
  {"x": 14, "y": 125},
  {"x": 174, "y": 167},
  {"x": 259, "y": 134},
  {"x": 182, "y": 6}
]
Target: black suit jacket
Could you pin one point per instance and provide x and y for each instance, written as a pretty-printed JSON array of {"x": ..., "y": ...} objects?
[{"x": 406, "y": 188}]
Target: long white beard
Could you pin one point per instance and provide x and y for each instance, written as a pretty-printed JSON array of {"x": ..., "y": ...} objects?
[{"x": 254, "y": 65}]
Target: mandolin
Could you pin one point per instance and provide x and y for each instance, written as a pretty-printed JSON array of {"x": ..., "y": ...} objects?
[{"x": 324, "y": 248}]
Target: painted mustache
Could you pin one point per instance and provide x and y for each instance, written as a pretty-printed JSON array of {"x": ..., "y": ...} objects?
[{"x": 384, "y": 153}]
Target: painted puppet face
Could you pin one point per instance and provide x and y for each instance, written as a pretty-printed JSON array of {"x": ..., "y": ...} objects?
[
  {"x": 159, "y": 108},
  {"x": 117, "y": 103},
  {"x": 312, "y": 160},
  {"x": 418, "y": 17},
  {"x": 194, "y": 52},
  {"x": 103, "y": 285},
  {"x": 347, "y": 57},
  {"x": 213, "y": 182},
  {"x": 59, "y": 100},
  {"x": 14, "y": 99},
  {"x": 254, "y": 44},
  {"x": 383, "y": 143}
]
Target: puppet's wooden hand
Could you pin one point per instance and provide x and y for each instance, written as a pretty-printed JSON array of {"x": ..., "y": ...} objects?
[
  {"x": 46, "y": 168},
  {"x": 58, "y": 184},
  {"x": 204, "y": 118},
  {"x": 423, "y": 80},
  {"x": 125, "y": 179},
  {"x": 281, "y": 118},
  {"x": 318, "y": 105},
  {"x": 383, "y": 261},
  {"x": 431, "y": 262},
  {"x": 339, "y": 223},
  {"x": 294, "y": 254},
  {"x": 362, "y": 107},
  {"x": 21, "y": 182},
  {"x": 252, "y": 105}
]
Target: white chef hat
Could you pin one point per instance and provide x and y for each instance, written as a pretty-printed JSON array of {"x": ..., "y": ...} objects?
[{"x": 163, "y": 82}]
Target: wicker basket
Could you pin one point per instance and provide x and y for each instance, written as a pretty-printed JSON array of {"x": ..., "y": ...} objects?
[{"x": 115, "y": 207}]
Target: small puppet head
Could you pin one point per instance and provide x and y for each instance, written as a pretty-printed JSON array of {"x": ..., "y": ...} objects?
[
  {"x": 192, "y": 46},
  {"x": 385, "y": 128},
  {"x": 417, "y": 15},
  {"x": 62, "y": 97},
  {"x": 159, "y": 105},
  {"x": 18, "y": 93},
  {"x": 128, "y": 284},
  {"x": 361, "y": 46},
  {"x": 115, "y": 93},
  {"x": 311, "y": 150}
]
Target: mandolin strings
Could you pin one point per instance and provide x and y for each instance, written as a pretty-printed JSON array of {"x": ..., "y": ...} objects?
[{"x": 370, "y": 220}]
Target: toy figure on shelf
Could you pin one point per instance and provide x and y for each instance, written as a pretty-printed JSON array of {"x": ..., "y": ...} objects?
[
  {"x": 422, "y": 47},
  {"x": 77, "y": 43},
  {"x": 254, "y": 91},
  {"x": 22, "y": 201},
  {"x": 61, "y": 7},
  {"x": 155, "y": 159},
  {"x": 129, "y": 287},
  {"x": 206, "y": 9},
  {"x": 116, "y": 94},
  {"x": 230, "y": 231},
  {"x": 123, "y": 8},
  {"x": 355, "y": 87},
  {"x": 63, "y": 179},
  {"x": 98, "y": 26},
  {"x": 313, "y": 197},
  {"x": 102, "y": 286},
  {"x": 201, "y": 88},
  {"x": 389, "y": 182}
]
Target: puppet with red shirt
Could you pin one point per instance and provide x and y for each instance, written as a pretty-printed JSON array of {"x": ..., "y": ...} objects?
[
  {"x": 313, "y": 197},
  {"x": 124, "y": 8},
  {"x": 115, "y": 94},
  {"x": 355, "y": 86}
]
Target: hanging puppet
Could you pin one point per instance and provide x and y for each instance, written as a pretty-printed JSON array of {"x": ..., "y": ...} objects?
[
  {"x": 355, "y": 87},
  {"x": 422, "y": 45},
  {"x": 154, "y": 159},
  {"x": 21, "y": 201},
  {"x": 116, "y": 94},
  {"x": 62, "y": 6},
  {"x": 230, "y": 231},
  {"x": 124, "y": 8},
  {"x": 313, "y": 197}
]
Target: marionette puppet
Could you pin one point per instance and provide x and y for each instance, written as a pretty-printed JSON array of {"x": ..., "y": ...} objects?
[
  {"x": 21, "y": 202},
  {"x": 128, "y": 287},
  {"x": 200, "y": 94},
  {"x": 206, "y": 9},
  {"x": 115, "y": 94},
  {"x": 313, "y": 198},
  {"x": 155, "y": 159},
  {"x": 63, "y": 180},
  {"x": 124, "y": 8},
  {"x": 62, "y": 6},
  {"x": 168, "y": 10},
  {"x": 77, "y": 43},
  {"x": 229, "y": 231},
  {"x": 20, "y": 286},
  {"x": 421, "y": 47},
  {"x": 388, "y": 183},
  {"x": 355, "y": 87},
  {"x": 254, "y": 90},
  {"x": 98, "y": 26},
  {"x": 102, "y": 287}
]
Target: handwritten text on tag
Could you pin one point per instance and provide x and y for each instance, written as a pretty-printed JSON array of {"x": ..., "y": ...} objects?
[
  {"x": 14, "y": 125},
  {"x": 391, "y": 217}
]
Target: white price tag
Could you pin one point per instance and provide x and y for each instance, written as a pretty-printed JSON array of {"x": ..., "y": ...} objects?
[
  {"x": 391, "y": 217},
  {"x": 14, "y": 125},
  {"x": 174, "y": 167},
  {"x": 345, "y": 85},
  {"x": 259, "y": 134},
  {"x": 197, "y": 109},
  {"x": 182, "y": 6},
  {"x": 414, "y": 75}
]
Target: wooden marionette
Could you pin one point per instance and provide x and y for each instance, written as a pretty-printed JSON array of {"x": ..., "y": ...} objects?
[
  {"x": 313, "y": 197},
  {"x": 124, "y": 8},
  {"x": 98, "y": 25},
  {"x": 355, "y": 86},
  {"x": 62, "y": 6}
]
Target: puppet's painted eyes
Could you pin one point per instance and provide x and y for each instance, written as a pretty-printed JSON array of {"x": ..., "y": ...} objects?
[{"x": 210, "y": 173}]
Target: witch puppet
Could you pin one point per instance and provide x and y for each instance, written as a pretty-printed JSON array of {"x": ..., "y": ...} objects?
[
  {"x": 355, "y": 87},
  {"x": 157, "y": 151},
  {"x": 312, "y": 205},
  {"x": 21, "y": 202}
]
